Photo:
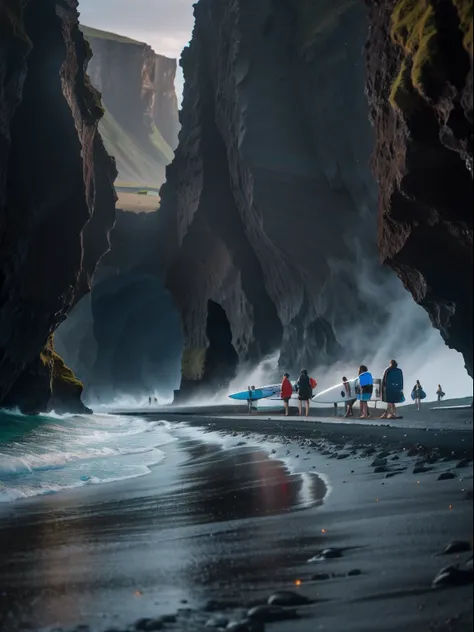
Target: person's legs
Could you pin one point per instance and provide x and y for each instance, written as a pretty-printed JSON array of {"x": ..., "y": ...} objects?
[
  {"x": 307, "y": 407},
  {"x": 286, "y": 407},
  {"x": 300, "y": 407}
]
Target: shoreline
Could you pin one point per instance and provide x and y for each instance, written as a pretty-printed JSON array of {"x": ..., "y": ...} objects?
[{"x": 389, "y": 523}]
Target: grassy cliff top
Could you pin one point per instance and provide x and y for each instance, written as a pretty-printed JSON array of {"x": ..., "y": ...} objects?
[{"x": 89, "y": 32}]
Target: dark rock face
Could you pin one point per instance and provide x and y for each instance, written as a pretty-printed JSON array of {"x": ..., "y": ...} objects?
[
  {"x": 141, "y": 125},
  {"x": 56, "y": 205},
  {"x": 124, "y": 339},
  {"x": 269, "y": 209},
  {"x": 421, "y": 107}
]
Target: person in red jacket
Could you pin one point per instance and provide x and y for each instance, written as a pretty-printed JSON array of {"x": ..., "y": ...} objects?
[{"x": 286, "y": 393}]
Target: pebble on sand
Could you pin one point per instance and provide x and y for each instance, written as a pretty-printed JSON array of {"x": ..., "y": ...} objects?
[
  {"x": 288, "y": 599},
  {"x": 447, "y": 476}
]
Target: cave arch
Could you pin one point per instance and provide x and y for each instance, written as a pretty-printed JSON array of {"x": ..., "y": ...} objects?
[{"x": 222, "y": 359}]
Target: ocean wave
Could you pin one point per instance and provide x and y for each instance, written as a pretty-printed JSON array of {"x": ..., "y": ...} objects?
[{"x": 51, "y": 453}]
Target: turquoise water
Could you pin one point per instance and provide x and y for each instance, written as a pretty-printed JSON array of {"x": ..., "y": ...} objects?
[{"x": 46, "y": 454}]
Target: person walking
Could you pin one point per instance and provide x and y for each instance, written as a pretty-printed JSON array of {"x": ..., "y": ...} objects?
[
  {"x": 286, "y": 393},
  {"x": 305, "y": 391},
  {"x": 440, "y": 393},
  {"x": 418, "y": 394},
  {"x": 350, "y": 399},
  {"x": 365, "y": 389},
  {"x": 392, "y": 389}
]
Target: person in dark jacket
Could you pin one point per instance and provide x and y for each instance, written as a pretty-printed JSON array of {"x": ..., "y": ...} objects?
[
  {"x": 305, "y": 391},
  {"x": 392, "y": 389},
  {"x": 286, "y": 393}
]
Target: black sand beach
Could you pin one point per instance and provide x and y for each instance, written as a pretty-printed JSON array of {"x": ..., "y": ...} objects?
[{"x": 235, "y": 512}]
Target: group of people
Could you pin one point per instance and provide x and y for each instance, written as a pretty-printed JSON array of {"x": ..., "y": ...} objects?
[
  {"x": 392, "y": 391},
  {"x": 304, "y": 387}
]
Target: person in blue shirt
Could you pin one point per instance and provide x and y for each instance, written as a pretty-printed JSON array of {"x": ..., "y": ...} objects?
[{"x": 365, "y": 390}]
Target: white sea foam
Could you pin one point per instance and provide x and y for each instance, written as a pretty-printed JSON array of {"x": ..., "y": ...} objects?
[{"x": 51, "y": 453}]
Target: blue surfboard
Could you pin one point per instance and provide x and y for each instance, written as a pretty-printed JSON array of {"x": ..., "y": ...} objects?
[
  {"x": 422, "y": 395},
  {"x": 259, "y": 393}
]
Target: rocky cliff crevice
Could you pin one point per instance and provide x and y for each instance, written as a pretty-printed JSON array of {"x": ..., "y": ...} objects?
[
  {"x": 269, "y": 209},
  {"x": 420, "y": 90},
  {"x": 124, "y": 338},
  {"x": 141, "y": 125},
  {"x": 57, "y": 202}
]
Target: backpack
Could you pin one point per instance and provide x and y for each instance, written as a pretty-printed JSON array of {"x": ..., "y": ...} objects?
[{"x": 313, "y": 383}]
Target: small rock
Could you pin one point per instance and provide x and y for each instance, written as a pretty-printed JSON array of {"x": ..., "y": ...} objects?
[
  {"x": 463, "y": 463},
  {"x": 395, "y": 458},
  {"x": 457, "y": 547},
  {"x": 421, "y": 469},
  {"x": 327, "y": 554},
  {"x": 379, "y": 463},
  {"x": 154, "y": 624},
  {"x": 249, "y": 625},
  {"x": 383, "y": 455},
  {"x": 343, "y": 456},
  {"x": 391, "y": 474},
  {"x": 381, "y": 469},
  {"x": 447, "y": 476},
  {"x": 215, "y": 606},
  {"x": 217, "y": 622},
  {"x": 270, "y": 614},
  {"x": 354, "y": 572},
  {"x": 452, "y": 576},
  {"x": 321, "y": 577},
  {"x": 288, "y": 599}
]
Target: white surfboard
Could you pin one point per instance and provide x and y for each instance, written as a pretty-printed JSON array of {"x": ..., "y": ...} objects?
[{"x": 339, "y": 394}]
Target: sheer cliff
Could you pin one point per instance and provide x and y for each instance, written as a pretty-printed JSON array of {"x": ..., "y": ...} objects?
[
  {"x": 269, "y": 211},
  {"x": 57, "y": 202},
  {"x": 269, "y": 207},
  {"x": 420, "y": 91},
  {"x": 140, "y": 126}
]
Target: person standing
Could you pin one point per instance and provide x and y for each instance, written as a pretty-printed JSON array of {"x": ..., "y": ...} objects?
[
  {"x": 251, "y": 390},
  {"x": 418, "y": 394},
  {"x": 350, "y": 401},
  {"x": 392, "y": 389},
  {"x": 305, "y": 391},
  {"x": 286, "y": 393},
  {"x": 365, "y": 390},
  {"x": 440, "y": 393}
]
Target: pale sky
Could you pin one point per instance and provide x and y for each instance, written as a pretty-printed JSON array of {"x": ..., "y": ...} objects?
[{"x": 166, "y": 25}]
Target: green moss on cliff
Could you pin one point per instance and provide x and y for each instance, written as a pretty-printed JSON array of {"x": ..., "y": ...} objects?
[
  {"x": 58, "y": 369},
  {"x": 193, "y": 363},
  {"x": 465, "y": 12},
  {"x": 414, "y": 29}
]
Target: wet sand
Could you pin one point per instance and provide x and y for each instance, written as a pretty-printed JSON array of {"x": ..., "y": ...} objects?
[{"x": 220, "y": 520}]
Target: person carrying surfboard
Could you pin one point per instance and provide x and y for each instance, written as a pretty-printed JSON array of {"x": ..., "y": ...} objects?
[
  {"x": 365, "y": 389},
  {"x": 286, "y": 393},
  {"x": 305, "y": 387},
  {"x": 392, "y": 389},
  {"x": 350, "y": 399},
  {"x": 418, "y": 394},
  {"x": 440, "y": 393}
]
